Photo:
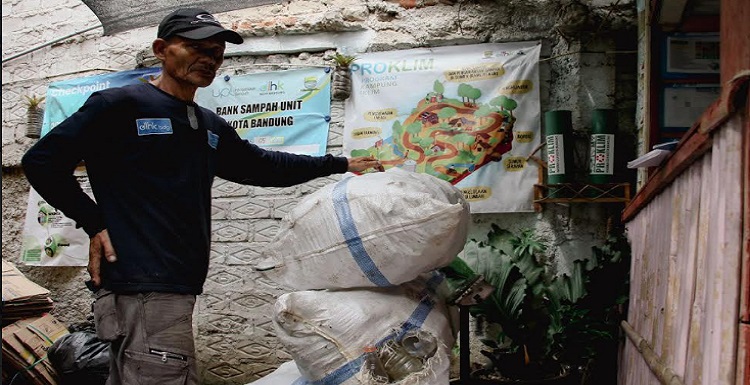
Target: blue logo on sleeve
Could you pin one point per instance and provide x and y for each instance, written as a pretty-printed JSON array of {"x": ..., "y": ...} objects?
[
  {"x": 213, "y": 139},
  {"x": 153, "y": 126}
]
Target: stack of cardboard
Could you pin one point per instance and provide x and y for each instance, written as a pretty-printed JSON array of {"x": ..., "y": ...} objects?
[
  {"x": 28, "y": 331},
  {"x": 22, "y": 298},
  {"x": 25, "y": 345}
]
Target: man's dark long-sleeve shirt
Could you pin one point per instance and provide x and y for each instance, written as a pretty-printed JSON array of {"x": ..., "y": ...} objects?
[{"x": 151, "y": 173}]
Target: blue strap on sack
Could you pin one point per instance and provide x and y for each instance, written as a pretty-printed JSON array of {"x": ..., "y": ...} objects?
[
  {"x": 351, "y": 235},
  {"x": 415, "y": 321}
]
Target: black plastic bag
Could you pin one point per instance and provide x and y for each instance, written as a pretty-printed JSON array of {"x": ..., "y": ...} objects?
[{"x": 80, "y": 358}]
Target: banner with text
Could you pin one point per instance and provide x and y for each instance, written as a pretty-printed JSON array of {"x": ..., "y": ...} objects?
[
  {"x": 51, "y": 238},
  {"x": 469, "y": 115},
  {"x": 67, "y": 96},
  {"x": 282, "y": 111}
]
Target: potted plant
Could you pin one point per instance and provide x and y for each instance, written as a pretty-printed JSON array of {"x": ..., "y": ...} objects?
[
  {"x": 34, "y": 116},
  {"x": 548, "y": 327},
  {"x": 341, "y": 86}
]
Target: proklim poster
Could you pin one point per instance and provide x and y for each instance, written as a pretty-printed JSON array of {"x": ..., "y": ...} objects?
[
  {"x": 51, "y": 238},
  {"x": 282, "y": 111},
  {"x": 469, "y": 115}
]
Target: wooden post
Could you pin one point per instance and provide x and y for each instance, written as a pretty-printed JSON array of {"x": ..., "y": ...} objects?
[
  {"x": 735, "y": 38},
  {"x": 735, "y": 59},
  {"x": 743, "y": 339}
]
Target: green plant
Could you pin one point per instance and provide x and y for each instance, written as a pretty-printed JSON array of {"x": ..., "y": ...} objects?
[
  {"x": 34, "y": 116},
  {"x": 342, "y": 60},
  {"x": 547, "y": 322},
  {"x": 33, "y": 102},
  {"x": 591, "y": 325},
  {"x": 341, "y": 87}
]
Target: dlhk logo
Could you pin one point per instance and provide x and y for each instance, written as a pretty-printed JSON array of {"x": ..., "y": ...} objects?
[
  {"x": 271, "y": 87},
  {"x": 153, "y": 126}
]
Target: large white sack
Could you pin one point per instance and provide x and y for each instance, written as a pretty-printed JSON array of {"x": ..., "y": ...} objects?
[
  {"x": 378, "y": 229},
  {"x": 327, "y": 331}
]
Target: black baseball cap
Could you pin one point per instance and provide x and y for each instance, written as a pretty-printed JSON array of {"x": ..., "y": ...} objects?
[{"x": 195, "y": 24}]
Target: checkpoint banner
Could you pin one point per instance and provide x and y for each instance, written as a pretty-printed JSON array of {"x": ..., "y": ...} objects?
[
  {"x": 469, "y": 115},
  {"x": 283, "y": 111},
  {"x": 67, "y": 96},
  {"x": 49, "y": 237}
]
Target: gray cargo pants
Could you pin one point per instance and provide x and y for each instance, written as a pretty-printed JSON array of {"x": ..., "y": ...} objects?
[{"x": 151, "y": 337}]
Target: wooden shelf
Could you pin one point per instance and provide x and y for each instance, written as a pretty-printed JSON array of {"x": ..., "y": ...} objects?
[{"x": 580, "y": 193}]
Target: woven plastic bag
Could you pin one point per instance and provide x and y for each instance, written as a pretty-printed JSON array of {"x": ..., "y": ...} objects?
[
  {"x": 379, "y": 229},
  {"x": 326, "y": 331}
]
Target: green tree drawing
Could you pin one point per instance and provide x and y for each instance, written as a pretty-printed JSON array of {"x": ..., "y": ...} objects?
[
  {"x": 397, "y": 129},
  {"x": 463, "y": 91},
  {"x": 465, "y": 140},
  {"x": 509, "y": 104},
  {"x": 446, "y": 113},
  {"x": 438, "y": 87},
  {"x": 414, "y": 128},
  {"x": 498, "y": 101},
  {"x": 482, "y": 112},
  {"x": 474, "y": 94},
  {"x": 426, "y": 143}
]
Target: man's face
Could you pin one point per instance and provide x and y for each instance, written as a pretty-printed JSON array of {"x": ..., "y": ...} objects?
[{"x": 193, "y": 62}]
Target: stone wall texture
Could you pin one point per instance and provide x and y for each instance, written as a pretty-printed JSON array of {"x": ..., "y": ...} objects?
[{"x": 588, "y": 61}]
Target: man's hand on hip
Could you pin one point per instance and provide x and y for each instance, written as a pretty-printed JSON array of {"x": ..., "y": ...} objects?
[{"x": 99, "y": 245}]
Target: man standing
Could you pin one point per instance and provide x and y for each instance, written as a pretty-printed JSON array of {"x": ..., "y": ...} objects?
[{"x": 151, "y": 155}]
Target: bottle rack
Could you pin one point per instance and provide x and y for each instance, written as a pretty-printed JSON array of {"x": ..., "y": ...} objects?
[
  {"x": 574, "y": 192},
  {"x": 580, "y": 193}
]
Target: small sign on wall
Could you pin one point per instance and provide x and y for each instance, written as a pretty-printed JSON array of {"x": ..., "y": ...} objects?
[
  {"x": 683, "y": 104},
  {"x": 691, "y": 54}
]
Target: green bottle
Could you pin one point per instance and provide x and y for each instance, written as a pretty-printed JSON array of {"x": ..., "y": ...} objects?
[
  {"x": 602, "y": 146},
  {"x": 558, "y": 129}
]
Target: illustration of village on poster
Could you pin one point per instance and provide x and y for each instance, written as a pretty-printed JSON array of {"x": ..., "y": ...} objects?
[{"x": 469, "y": 115}]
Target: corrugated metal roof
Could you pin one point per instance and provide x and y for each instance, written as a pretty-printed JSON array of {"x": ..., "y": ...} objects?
[{"x": 122, "y": 15}]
